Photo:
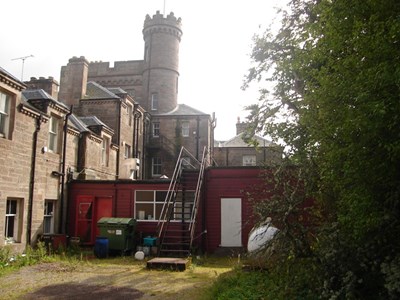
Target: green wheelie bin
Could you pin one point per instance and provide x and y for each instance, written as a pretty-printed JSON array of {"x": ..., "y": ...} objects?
[{"x": 120, "y": 233}]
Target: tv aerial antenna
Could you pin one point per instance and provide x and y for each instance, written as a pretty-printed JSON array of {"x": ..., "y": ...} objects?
[{"x": 23, "y": 58}]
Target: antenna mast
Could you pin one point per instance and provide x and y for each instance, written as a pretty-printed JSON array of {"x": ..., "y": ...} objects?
[
  {"x": 23, "y": 63},
  {"x": 164, "y": 9}
]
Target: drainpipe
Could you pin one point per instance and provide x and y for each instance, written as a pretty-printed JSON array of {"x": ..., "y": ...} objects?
[
  {"x": 32, "y": 181},
  {"x": 135, "y": 125},
  {"x": 118, "y": 140},
  {"x": 136, "y": 119},
  {"x": 62, "y": 229},
  {"x": 146, "y": 123}
]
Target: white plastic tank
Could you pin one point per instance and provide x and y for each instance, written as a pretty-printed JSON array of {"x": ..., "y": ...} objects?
[{"x": 139, "y": 255}]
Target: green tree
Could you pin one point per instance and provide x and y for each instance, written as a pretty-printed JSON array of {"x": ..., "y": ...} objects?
[{"x": 336, "y": 107}]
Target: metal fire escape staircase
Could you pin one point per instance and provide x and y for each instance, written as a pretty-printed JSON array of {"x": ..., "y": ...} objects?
[{"x": 177, "y": 223}]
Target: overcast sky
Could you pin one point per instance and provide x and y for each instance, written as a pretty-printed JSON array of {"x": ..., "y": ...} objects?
[{"x": 214, "y": 51}]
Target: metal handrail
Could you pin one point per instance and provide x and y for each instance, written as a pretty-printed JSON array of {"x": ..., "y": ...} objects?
[
  {"x": 170, "y": 194},
  {"x": 197, "y": 196},
  {"x": 173, "y": 188},
  {"x": 165, "y": 215}
]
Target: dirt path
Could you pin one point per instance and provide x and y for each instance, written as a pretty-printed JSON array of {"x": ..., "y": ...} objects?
[{"x": 121, "y": 278}]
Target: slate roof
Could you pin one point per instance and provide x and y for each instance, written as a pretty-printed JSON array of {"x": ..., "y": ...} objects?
[
  {"x": 92, "y": 121},
  {"x": 184, "y": 110},
  {"x": 117, "y": 91},
  {"x": 6, "y": 73},
  {"x": 237, "y": 141},
  {"x": 96, "y": 91},
  {"x": 40, "y": 94},
  {"x": 77, "y": 124}
]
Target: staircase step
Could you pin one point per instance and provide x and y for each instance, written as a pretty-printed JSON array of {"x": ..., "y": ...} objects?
[
  {"x": 175, "y": 236},
  {"x": 176, "y": 244},
  {"x": 177, "y": 231}
]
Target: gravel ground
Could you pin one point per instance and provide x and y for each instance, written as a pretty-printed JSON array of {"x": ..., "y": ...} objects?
[{"x": 118, "y": 278}]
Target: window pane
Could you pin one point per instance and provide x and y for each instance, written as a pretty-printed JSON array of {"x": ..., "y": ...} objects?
[
  {"x": 47, "y": 225},
  {"x": 159, "y": 207},
  {"x": 249, "y": 160},
  {"x": 4, "y": 112},
  {"x": 53, "y": 133},
  {"x": 145, "y": 196},
  {"x": 185, "y": 129},
  {"x": 11, "y": 207},
  {"x": 11, "y": 221},
  {"x": 156, "y": 167},
  {"x": 160, "y": 196},
  {"x": 9, "y": 232},
  {"x": 4, "y": 100},
  {"x": 144, "y": 211},
  {"x": 154, "y": 101},
  {"x": 48, "y": 208},
  {"x": 156, "y": 129},
  {"x": 48, "y": 220},
  {"x": 105, "y": 151},
  {"x": 127, "y": 151}
]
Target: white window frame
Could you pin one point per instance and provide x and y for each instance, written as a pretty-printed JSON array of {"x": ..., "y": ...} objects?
[
  {"x": 128, "y": 151},
  {"x": 105, "y": 151},
  {"x": 53, "y": 134},
  {"x": 149, "y": 209},
  {"x": 185, "y": 128},
  {"x": 156, "y": 165},
  {"x": 249, "y": 160},
  {"x": 5, "y": 103},
  {"x": 48, "y": 216},
  {"x": 76, "y": 149},
  {"x": 154, "y": 101},
  {"x": 156, "y": 129},
  {"x": 13, "y": 218},
  {"x": 130, "y": 114}
]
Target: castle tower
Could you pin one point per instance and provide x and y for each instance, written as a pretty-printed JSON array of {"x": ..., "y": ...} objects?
[
  {"x": 161, "y": 61},
  {"x": 73, "y": 80}
]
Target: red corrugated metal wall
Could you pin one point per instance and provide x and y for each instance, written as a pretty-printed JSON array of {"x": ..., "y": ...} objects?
[
  {"x": 228, "y": 183},
  {"x": 219, "y": 183}
]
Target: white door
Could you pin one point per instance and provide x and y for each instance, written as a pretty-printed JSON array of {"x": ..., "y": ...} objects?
[{"x": 231, "y": 222}]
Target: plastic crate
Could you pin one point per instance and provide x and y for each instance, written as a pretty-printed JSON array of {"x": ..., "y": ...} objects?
[{"x": 149, "y": 241}]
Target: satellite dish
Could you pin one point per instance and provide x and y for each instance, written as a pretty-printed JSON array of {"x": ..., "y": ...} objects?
[{"x": 260, "y": 236}]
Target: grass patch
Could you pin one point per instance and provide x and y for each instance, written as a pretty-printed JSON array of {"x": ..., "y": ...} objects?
[
  {"x": 238, "y": 284},
  {"x": 10, "y": 261}
]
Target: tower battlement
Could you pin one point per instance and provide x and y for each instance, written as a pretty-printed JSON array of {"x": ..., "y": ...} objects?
[{"x": 158, "y": 20}]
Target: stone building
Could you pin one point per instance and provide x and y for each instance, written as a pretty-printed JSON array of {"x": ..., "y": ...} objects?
[
  {"x": 100, "y": 123},
  {"x": 151, "y": 86},
  {"x": 31, "y": 147},
  {"x": 237, "y": 152}
]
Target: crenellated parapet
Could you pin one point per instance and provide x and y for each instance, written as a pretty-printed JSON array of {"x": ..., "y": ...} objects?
[{"x": 169, "y": 25}]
